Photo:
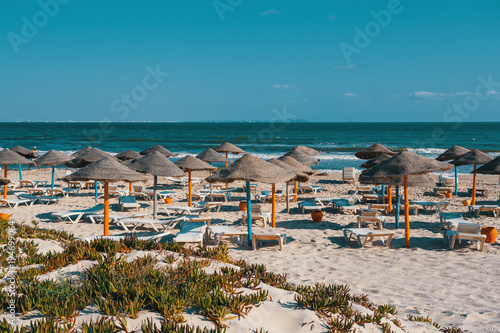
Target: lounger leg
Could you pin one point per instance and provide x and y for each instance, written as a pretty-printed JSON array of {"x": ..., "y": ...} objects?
[
  {"x": 254, "y": 243},
  {"x": 389, "y": 239},
  {"x": 452, "y": 242},
  {"x": 360, "y": 243},
  {"x": 345, "y": 236},
  {"x": 281, "y": 243},
  {"x": 481, "y": 246}
]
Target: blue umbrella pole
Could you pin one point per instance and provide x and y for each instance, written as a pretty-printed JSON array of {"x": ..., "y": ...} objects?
[
  {"x": 249, "y": 213},
  {"x": 20, "y": 172},
  {"x": 53, "y": 173},
  {"x": 397, "y": 207},
  {"x": 456, "y": 181},
  {"x": 95, "y": 187}
]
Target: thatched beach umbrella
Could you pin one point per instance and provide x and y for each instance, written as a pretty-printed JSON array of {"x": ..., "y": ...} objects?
[
  {"x": 157, "y": 165},
  {"x": 376, "y": 160},
  {"x": 53, "y": 158},
  {"x": 26, "y": 153},
  {"x": 403, "y": 165},
  {"x": 299, "y": 176},
  {"x": 373, "y": 151},
  {"x": 473, "y": 157},
  {"x": 308, "y": 150},
  {"x": 190, "y": 163},
  {"x": 451, "y": 154},
  {"x": 490, "y": 168},
  {"x": 4, "y": 181},
  {"x": 81, "y": 151},
  {"x": 211, "y": 156},
  {"x": 162, "y": 150},
  {"x": 250, "y": 168},
  {"x": 302, "y": 157},
  {"x": 8, "y": 157},
  {"x": 106, "y": 169},
  {"x": 128, "y": 155},
  {"x": 298, "y": 166},
  {"x": 228, "y": 147}
]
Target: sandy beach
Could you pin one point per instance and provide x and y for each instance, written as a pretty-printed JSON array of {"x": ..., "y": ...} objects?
[{"x": 454, "y": 288}]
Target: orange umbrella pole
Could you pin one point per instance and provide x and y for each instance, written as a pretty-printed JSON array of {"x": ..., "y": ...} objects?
[
  {"x": 5, "y": 176},
  {"x": 189, "y": 186},
  {"x": 106, "y": 209},
  {"x": 407, "y": 214},
  {"x": 227, "y": 184},
  {"x": 474, "y": 187},
  {"x": 296, "y": 191},
  {"x": 130, "y": 188},
  {"x": 389, "y": 199},
  {"x": 273, "y": 210}
]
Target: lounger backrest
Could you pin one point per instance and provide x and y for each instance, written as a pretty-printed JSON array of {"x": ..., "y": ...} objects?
[
  {"x": 257, "y": 209},
  {"x": 112, "y": 188},
  {"x": 348, "y": 172},
  {"x": 468, "y": 228},
  {"x": 127, "y": 199},
  {"x": 137, "y": 188},
  {"x": 354, "y": 198}
]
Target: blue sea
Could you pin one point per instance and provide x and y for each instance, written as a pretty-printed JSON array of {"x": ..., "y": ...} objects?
[{"x": 337, "y": 141}]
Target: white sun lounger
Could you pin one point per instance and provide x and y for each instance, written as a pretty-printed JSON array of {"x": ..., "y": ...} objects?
[
  {"x": 364, "y": 235},
  {"x": 467, "y": 231},
  {"x": 308, "y": 206},
  {"x": 219, "y": 232},
  {"x": 428, "y": 205},
  {"x": 182, "y": 210},
  {"x": 310, "y": 188},
  {"x": 119, "y": 238},
  {"x": 44, "y": 200},
  {"x": 191, "y": 232},
  {"x": 74, "y": 216},
  {"x": 128, "y": 202},
  {"x": 99, "y": 218},
  {"x": 13, "y": 203},
  {"x": 259, "y": 237},
  {"x": 165, "y": 223}
]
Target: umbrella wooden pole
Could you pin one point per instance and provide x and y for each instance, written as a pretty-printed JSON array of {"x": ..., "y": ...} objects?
[
  {"x": 474, "y": 187},
  {"x": 130, "y": 187},
  {"x": 273, "y": 209},
  {"x": 456, "y": 181},
  {"x": 287, "y": 199},
  {"x": 397, "y": 207},
  {"x": 106, "y": 209},
  {"x": 189, "y": 188},
  {"x": 296, "y": 191},
  {"x": 53, "y": 176},
  {"x": 227, "y": 184},
  {"x": 5, "y": 176},
  {"x": 155, "y": 184},
  {"x": 249, "y": 213},
  {"x": 20, "y": 172},
  {"x": 407, "y": 214},
  {"x": 389, "y": 198}
]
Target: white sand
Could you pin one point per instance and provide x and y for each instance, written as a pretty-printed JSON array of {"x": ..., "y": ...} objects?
[{"x": 452, "y": 287}]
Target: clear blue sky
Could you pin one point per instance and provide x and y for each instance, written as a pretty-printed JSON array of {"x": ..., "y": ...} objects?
[{"x": 243, "y": 59}]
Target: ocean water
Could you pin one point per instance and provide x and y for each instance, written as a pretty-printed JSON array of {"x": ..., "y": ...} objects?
[{"x": 337, "y": 141}]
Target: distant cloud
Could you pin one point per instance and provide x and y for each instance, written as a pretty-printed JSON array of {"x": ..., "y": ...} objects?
[
  {"x": 270, "y": 12},
  {"x": 284, "y": 87},
  {"x": 331, "y": 18},
  {"x": 464, "y": 93},
  {"x": 349, "y": 95},
  {"x": 351, "y": 66},
  {"x": 429, "y": 95}
]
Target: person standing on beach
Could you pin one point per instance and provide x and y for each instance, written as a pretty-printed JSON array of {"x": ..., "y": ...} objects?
[{"x": 33, "y": 154}]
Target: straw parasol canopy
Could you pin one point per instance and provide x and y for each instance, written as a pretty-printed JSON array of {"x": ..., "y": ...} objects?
[
  {"x": 189, "y": 162},
  {"x": 374, "y": 161},
  {"x": 254, "y": 169},
  {"x": 24, "y": 152},
  {"x": 9, "y": 157},
  {"x": 81, "y": 151},
  {"x": 373, "y": 151},
  {"x": 211, "y": 156},
  {"x": 308, "y": 150},
  {"x": 452, "y": 153},
  {"x": 157, "y": 165},
  {"x": 162, "y": 150},
  {"x": 299, "y": 176},
  {"x": 405, "y": 164},
  {"x": 53, "y": 157},
  {"x": 474, "y": 156},
  {"x": 302, "y": 157},
  {"x": 490, "y": 168},
  {"x": 87, "y": 156},
  {"x": 227, "y": 147},
  {"x": 105, "y": 169},
  {"x": 296, "y": 164},
  {"x": 4, "y": 181},
  {"x": 128, "y": 155}
]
